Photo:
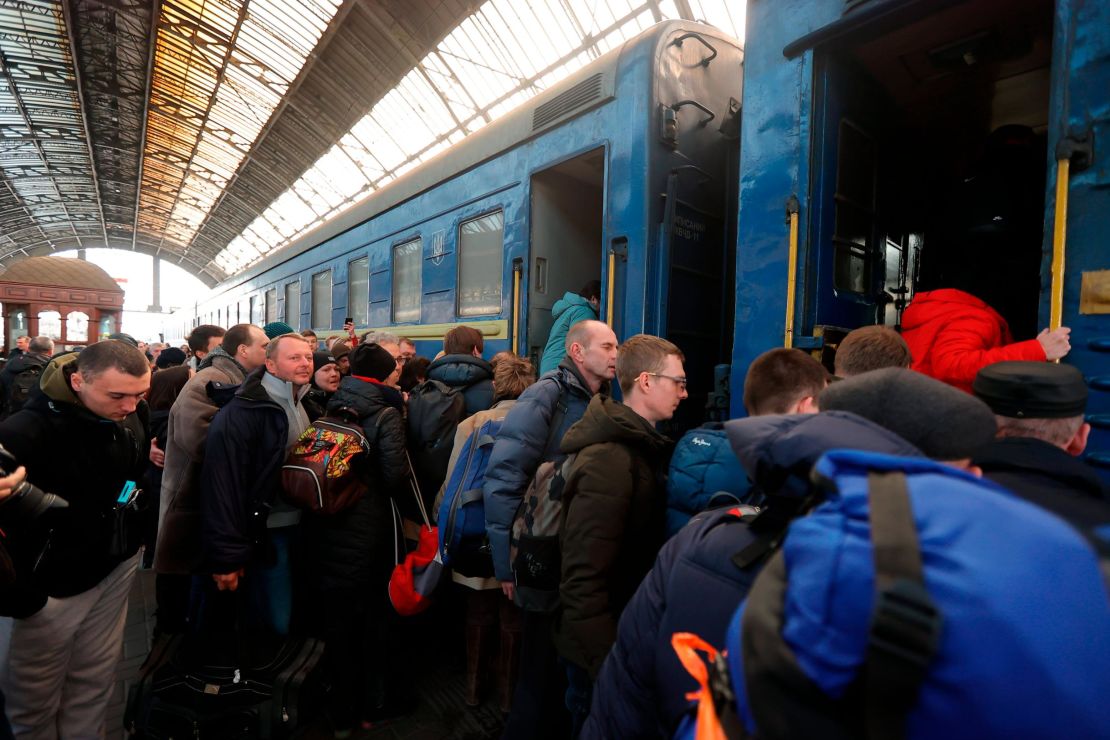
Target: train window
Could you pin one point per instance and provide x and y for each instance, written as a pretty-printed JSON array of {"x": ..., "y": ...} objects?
[
  {"x": 358, "y": 291},
  {"x": 407, "y": 259},
  {"x": 321, "y": 300},
  {"x": 271, "y": 305},
  {"x": 293, "y": 305},
  {"x": 253, "y": 309},
  {"x": 853, "y": 232},
  {"x": 480, "y": 265}
]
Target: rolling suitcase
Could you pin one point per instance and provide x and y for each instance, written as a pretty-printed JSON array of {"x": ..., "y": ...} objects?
[{"x": 175, "y": 697}]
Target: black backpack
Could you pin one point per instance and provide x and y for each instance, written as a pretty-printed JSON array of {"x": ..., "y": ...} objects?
[
  {"x": 435, "y": 410},
  {"x": 20, "y": 388}
]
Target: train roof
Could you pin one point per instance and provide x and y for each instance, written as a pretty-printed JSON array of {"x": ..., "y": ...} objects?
[{"x": 580, "y": 92}]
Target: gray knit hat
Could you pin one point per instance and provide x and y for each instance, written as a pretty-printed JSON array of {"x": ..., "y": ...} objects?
[{"x": 943, "y": 422}]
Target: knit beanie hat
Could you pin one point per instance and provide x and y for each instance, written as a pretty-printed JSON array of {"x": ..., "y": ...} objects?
[
  {"x": 277, "y": 328},
  {"x": 170, "y": 357},
  {"x": 943, "y": 422},
  {"x": 372, "y": 361},
  {"x": 319, "y": 359}
]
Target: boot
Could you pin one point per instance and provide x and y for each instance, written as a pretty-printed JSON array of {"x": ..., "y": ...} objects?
[
  {"x": 508, "y": 665},
  {"x": 475, "y": 649}
]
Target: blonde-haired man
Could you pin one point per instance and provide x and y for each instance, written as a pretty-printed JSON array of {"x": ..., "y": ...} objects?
[{"x": 240, "y": 506}]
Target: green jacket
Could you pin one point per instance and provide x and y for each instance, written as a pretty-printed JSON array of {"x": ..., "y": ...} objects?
[
  {"x": 567, "y": 311},
  {"x": 613, "y": 525}
]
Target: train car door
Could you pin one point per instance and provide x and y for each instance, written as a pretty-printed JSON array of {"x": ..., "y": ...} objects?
[
  {"x": 1079, "y": 133},
  {"x": 567, "y": 202},
  {"x": 842, "y": 268}
]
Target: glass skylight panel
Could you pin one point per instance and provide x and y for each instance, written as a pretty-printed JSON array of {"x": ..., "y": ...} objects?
[{"x": 235, "y": 89}]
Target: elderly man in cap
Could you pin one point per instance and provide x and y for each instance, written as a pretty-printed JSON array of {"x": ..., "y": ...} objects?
[{"x": 1041, "y": 433}]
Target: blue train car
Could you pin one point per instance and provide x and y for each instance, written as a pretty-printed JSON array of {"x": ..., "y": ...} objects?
[
  {"x": 624, "y": 172},
  {"x": 893, "y": 132}
]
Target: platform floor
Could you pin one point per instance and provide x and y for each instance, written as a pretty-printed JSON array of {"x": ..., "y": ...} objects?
[{"x": 440, "y": 715}]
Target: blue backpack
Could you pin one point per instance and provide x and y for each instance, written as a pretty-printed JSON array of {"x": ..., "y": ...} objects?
[
  {"x": 462, "y": 514},
  {"x": 704, "y": 470},
  {"x": 918, "y": 602}
]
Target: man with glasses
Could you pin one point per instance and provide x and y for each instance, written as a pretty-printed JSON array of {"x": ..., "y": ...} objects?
[{"x": 613, "y": 515}]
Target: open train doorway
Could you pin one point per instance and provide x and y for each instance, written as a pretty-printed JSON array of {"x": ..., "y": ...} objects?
[
  {"x": 932, "y": 159},
  {"x": 566, "y": 249}
]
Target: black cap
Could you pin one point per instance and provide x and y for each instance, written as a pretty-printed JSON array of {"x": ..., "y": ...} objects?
[
  {"x": 320, "y": 359},
  {"x": 943, "y": 422},
  {"x": 372, "y": 361},
  {"x": 1032, "y": 390}
]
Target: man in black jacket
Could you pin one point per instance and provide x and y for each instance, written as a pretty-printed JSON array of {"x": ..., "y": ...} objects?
[
  {"x": 82, "y": 436},
  {"x": 1040, "y": 408},
  {"x": 27, "y": 368},
  {"x": 247, "y": 530}
]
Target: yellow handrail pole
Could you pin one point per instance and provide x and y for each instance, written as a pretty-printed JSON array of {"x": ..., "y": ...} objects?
[
  {"x": 791, "y": 271},
  {"x": 517, "y": 270},
  {"x": 1059, "y": 244},
  {"x": 611, "y": 284}
]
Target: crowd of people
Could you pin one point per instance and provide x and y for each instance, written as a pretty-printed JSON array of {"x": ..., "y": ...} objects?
[{"x": 175, "y": 457}]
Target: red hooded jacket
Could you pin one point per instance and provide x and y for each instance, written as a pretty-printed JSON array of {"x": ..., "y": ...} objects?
[{"x": 952, "y": 335}]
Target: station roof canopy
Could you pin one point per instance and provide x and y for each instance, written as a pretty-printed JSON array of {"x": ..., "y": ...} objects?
[{"x": 212, "y": 132}]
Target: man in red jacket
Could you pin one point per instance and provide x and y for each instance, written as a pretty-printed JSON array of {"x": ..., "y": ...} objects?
[{"x": 952, "y": 335}]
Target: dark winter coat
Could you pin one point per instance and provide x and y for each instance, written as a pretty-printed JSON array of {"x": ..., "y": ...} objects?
[
  {"x": 315, "y": 403},
  {"x": 471, "y": 376},
  {"x": 694, "y": 585},
  {"x": 178, "y": 549},
  {"x": 12, "y": 368},
  {"x": 241, "y": 476},
  {"x": 1049, "y": 477},
  {"x": 526, "y": 440},
  {"x": 354, "y": 549},
  {"x": 85, "y": 459},
  {"x": 614, "y": 506},
  {"x": 952, "y": 335}
]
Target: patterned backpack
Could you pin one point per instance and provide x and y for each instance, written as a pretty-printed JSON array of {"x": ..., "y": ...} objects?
[{"x": 321, "y": 473}]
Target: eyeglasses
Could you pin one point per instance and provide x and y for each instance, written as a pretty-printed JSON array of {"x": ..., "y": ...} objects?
[
  {"x": 680, "y": 382},
  {"x": 400, "y": 359}
]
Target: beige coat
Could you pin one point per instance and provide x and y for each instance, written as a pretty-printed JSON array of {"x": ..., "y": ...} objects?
[{"x": 178, "y": 546}]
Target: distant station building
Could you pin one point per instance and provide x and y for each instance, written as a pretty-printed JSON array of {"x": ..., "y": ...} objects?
[{"x": 72, "y": 301}]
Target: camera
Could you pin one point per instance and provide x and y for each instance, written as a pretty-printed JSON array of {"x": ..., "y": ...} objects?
[{"x": 27, "y": 502}]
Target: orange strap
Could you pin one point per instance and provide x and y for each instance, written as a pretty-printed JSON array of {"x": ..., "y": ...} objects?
[{"x": 687, "y": 645}]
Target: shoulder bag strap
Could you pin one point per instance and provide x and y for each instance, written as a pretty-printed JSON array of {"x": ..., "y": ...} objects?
[{"x": 905, "y": 622}]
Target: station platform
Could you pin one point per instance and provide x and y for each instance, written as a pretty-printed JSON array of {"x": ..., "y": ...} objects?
[{"x": 441, "y": 713}]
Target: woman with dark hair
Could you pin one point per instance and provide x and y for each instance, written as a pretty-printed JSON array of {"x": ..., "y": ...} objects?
[
  {"x": 414, "y": 373},
  {"x": 325, "y": 382},
  {"x": 354, "y": 554}
]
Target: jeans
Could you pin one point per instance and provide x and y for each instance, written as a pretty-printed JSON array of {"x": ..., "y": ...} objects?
[{"x": 580, "y": 689}]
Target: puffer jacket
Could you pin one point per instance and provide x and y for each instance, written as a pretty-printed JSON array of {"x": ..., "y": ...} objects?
[
  {"x": 241, "y": 475},
  {"x": 613, "y": 525},
  {"x": 525, "y": 441},
  {"x": 354, "y": 549},
  {"x": 695, "y": 586},
  {"x": 471, "y": 376},
  {"x": 567, "y": 311},
  {"x": 86, "y": 459},
  {"x": 952, "y": 335},
  {"x": 178, "y": 545}
]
